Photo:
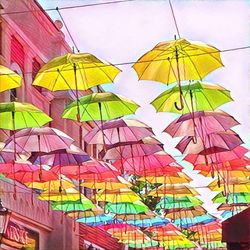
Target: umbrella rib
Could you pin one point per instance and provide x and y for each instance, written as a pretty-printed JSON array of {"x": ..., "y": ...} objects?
[{"x": 103, "y": 71}]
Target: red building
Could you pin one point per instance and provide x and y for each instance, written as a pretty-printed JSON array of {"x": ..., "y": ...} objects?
[{"x": 28, "y": 39}]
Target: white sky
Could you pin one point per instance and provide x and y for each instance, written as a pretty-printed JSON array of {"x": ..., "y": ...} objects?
[{"x": 122, "y": 32}]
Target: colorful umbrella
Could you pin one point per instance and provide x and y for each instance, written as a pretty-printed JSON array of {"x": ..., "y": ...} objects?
[
  {"x": 100, "y": 107},
  {"x": 147, "y": 244},
  {"x": 178, "y": 244},
  {"x": 187, "y": 213},
  {"x": 75, "y": 72},
  {"x": 96, "y": 220},
  {"x": 53, "y": 185},
  {"x": 202, "y": 122},
  {"x": 9, "y": 79},
  {"x": 155, "y": 221},
  {"x": 69, "y": 206},
  {"x": 233, "y": 198},
  {"x": 86, "y": 213},
  {"x": 18, "y": 166},
  {"x": 197, "y": 97},
  {"x": 39, "y": 140},
  {"x": 16, "y": 115},
  {"x": 119, "y": 130},
  {"x": 126, "y": 207},
  {"x": 231, "y": 188}
]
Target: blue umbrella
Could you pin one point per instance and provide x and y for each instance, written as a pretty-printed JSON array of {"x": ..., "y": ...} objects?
[
  {"x": 189, "y": 222},
  {"x": 156, "y": 221},
  {"x": 97, "y": 220}
]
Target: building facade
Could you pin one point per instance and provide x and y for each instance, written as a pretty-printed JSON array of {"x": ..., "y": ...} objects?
[{"x": 29, "y": 39}]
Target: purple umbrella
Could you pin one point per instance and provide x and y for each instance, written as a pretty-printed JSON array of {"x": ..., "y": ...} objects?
[
  {"x": 212, "y": 143},
  {"x": 199, "y": 123},
  {"x": 119, "y": 130}
]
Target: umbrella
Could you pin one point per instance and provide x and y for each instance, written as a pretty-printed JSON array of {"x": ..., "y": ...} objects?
[
  {"x": 178, "y": 244},
  {"x": 69, "y": 206},
  {"x": 9, "y": 79},
  {"x": 130, "y": 217},
  {"x": 124, "y": 150},
  {"x": 197, "y": 96},
  {"x": 201, "y": 122},
  {"x": 18, "y": 166},
  {"x": 119, "y": 130},
  {"x": 100, "y": 106},
  {"x": 178, "y": 189},
  {"x": 86, "y": 213},
  {"x": 39, "y": 140},
  {"x": 178, "y": 202},
  {"x": 219, "y": 157},
  {"x": 233, "y": 188},
  {"x": 116, "y": 196},
  {"x": 148, "y": 244},
  {"x": 178, "y": 60},
  {"x": 53, "y": 185},
  {"x": 233, "y": 198},
  {"x": 75, "y": 72},
  {"x": 155, "y": 221},
  {"x": 126, "y": 207},
  {"x": 16, "y": 115},
  {"x": 96, "y": 220},
  {"x": 212, "y": 143},
  {"x": 187, "y": 213}
]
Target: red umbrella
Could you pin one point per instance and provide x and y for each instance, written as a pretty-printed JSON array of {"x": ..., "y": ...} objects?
[
  {"x": 13, "y": 168},
  {"x": 199, "y": 123}
]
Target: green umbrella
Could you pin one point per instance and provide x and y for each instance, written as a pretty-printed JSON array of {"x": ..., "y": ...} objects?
[
  {"x": 232, "y": 198},
  {"x": 197, "y": 96},
  {"x": 151, "y": 243},
  {"x": 100, "y": 107},
  {"x": 169, "y": 202},
  {"x": 126, "y": 207},
  {"x": 71, "y": 206},
  {"x": 16, "y": 115}
]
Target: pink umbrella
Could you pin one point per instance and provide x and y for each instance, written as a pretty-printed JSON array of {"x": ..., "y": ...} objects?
[
  {"x": 39, "y": 140},
  {"x": 197, "y": 159},
  {"x": 11, "y": 168},
  {"x": 211, "y": 143},
  {"x": 201, "y": 123},
  {"x": 119, "y": 130},
  {"x": 124, "y": 150},
  {"x": 159, "y": 161}
]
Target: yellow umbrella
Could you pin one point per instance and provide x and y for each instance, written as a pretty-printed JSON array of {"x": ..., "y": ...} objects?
[
  {"x": 126, "y": 217},
  {"x": 230, "y": 174},
  {"x": 231, "y": 188},
  {"x": 115, "y": 196},
  {"x": 69, "y": 194},
  {"x": 88, "y": 213},
  {"x": 230, "y": 181},
  {"x": 181, "y": 178},
  {"x": 9, "y": 79},
  {"x": 178, "y": 189},
  {"x": 51, "y": 185},
  {"x": 75, "y": 72},
  {"x": 120, "y": 183},
  {"x": 178, "y": 60}
]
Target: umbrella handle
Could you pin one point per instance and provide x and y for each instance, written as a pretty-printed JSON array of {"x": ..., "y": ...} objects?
[
  {"x": 194, "y": 139},
  {"x": 181, "y": 103}
]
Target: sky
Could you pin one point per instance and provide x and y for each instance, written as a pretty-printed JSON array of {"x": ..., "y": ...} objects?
[{"x": 122, "y": 32}]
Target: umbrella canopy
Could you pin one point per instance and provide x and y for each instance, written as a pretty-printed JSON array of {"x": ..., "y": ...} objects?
[
  {"x": 218, "y": 157},
  {"x": 180, "y": 189},
  {"x": 178, "y": 60},
  {"x": 116, "y": 196},
  {"x": 124, "y": 150},
  {"x": 216, "y": 142},
  {"x": 96, "y": 220},
  {"x": 153, "y": 162},
  {"x": 233, "y": 198},
  {"x": 17, "y": 115},
  {"x": 100, "y": 107},
  {"x": 126, "y": 207},
  {"x": 9, "y": 79},
  {"x": 178, "y": 244},
  {"x": 118, "y": 227},
  {"x": 197, "y": 97},
  {"x": 69, "y": 206},
  {"x": 53, "y": 185},
  {"x": 86, "y": 213},
  {"x": 180, "y": 178},
  {"x": 39, "y": 140},
  {"x": 119, "y": 130},
  {"x": 178, "y": 202},
  {"x": 148, "y": 244},
  {"x": 202, "y": 122},
  {"x": 14, "y": 167},
  {"x": 155, "y": 221},
  {"x": 188, "y": 213},
  {"x": 130, "y": 217},
  {"x": 233, "y": 188}
]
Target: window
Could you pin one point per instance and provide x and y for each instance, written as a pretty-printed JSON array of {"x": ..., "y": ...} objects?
[{"x": 35, "y": 68}]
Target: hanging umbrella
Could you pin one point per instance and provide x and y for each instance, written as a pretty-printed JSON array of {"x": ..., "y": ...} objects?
[
  {"x": 71, "y": 206},
  {"x": 233, "y": 188},
  {"x": 180, "y": 178},
  {"x": 178, "y": 202},
  {"x": 137, "y": 217},
  {"x": 126, "y": 207},
  {"x": 9, "y": 79},
  {"x": 53, "y": 185},
  {"x": 75, "y": 72},
  {"x": 198, "y": 96},
  {"x": 228, "y": 214},
  {"x": 218, "y": 157},
  {"x": 16, "y": 115},
  {"x": 118, "y": 228},
  {"x": 178, "y": 244},
  {"x": 86, "y": 213},
  {"x": 124, "y": 150},
  {"x": 212, "y": 143},
  {"x": 231, "y": 198},
  {"x": 39, "y": 140},
  {"x": 100, "y": 107},
  {"x": 147, "y": 244},
  {"x": 155, "y": 221},
  {"x": 178, "y": 60},
  {"x": 116, "y": 196},
  {"x": 202, "y": 122},
  {"x": 18, "y": 166},
  {"x": 189, "y": 213},
  {"x": 96, "y": 220},
  {"x": 119, "y": 130},
  {"x": 151, "y": 163},
  {"x": 136, "y": 236},
  {"x": 178, "y": 189}
]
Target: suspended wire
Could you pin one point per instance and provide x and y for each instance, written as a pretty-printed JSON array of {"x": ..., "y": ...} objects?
[
  {"x": 67, "y": 29},
  {"x": 67, "y": 7},
  {"x": 175, "y": 22}
]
